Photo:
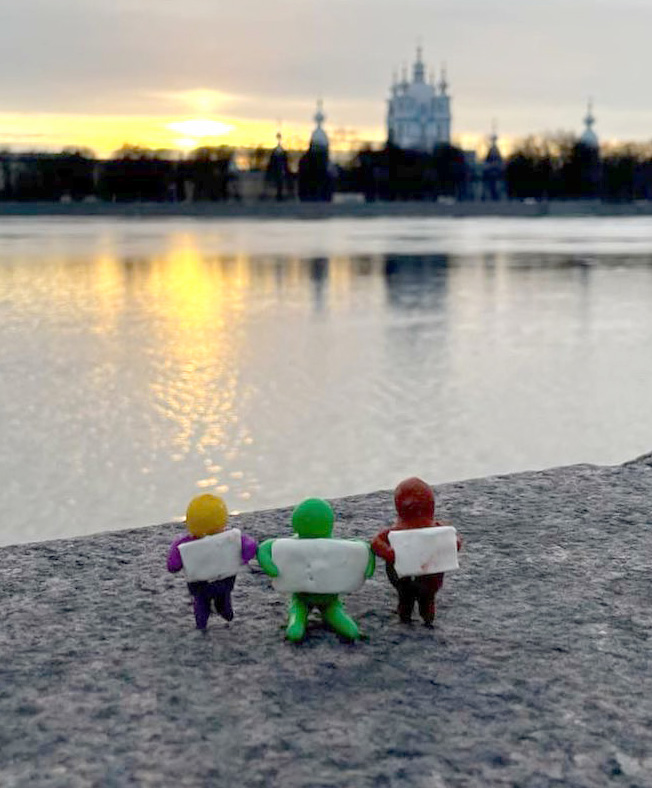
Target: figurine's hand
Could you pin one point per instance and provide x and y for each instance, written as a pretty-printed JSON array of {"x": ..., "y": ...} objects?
[
  {"x": 247, "y": 548},
  {"x": 371, "y": 565},
  {"x": 382, "y": 548},
  {"x": 175, "y": 564},
  {"x": 264, "y": 557}
]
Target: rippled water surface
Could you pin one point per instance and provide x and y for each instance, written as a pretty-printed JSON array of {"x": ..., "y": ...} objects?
[{"x": 142, "y": 362}]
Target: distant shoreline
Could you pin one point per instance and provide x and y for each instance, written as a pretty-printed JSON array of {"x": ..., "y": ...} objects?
[{"x": 335, "y": 210}]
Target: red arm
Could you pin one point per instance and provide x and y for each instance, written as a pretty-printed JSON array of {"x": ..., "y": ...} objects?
[{"x": 381, "y": 546}]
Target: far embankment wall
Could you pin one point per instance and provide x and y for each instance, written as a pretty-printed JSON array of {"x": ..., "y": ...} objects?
[{"x": 338, "y": 209}]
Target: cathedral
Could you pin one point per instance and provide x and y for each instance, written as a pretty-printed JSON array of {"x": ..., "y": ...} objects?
[{"x": 419, "y": 112}]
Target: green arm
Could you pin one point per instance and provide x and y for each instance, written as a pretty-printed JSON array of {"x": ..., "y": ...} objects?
[
  {"x": 264, "y": 556},
  {"x": 371, "y": 563}
]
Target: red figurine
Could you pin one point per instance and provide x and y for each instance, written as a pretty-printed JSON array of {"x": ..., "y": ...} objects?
[{"x": 415, "y": 506}]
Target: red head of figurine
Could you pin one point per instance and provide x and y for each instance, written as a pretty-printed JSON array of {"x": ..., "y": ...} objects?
[{"x": 415, "y": 504}]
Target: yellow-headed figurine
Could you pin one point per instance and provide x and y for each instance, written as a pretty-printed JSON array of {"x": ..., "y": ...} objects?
[{"x": 210, "y": 555}]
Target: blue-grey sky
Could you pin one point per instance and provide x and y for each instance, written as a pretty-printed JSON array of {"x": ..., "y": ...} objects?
[{"x": 529, "y": 64}]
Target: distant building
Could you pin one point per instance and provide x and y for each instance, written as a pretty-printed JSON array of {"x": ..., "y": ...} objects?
[
  {"x": 319, "y": 138},
  {"x": 418, "y": 112},
  {"x": 585, "y": 172},
  {"x": 589, "y": 137},
  {"x": 315, "y": 177},
  {"x": 493, "y": 172},
  {"x": 277, "y": 176}
]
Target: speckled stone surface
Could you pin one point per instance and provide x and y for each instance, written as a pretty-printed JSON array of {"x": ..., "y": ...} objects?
[{"x": 537, "y": 672}]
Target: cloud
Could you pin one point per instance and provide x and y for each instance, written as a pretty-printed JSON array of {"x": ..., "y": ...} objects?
[{"x": 274, "y": 59}]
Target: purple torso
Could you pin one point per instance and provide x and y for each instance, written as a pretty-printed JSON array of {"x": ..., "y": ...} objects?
[{"x": 175, "y": 563}]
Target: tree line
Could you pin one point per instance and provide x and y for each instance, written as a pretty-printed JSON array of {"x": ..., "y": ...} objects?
[
  {"x": 132, "y": 174},
  {"x": 561, "y": 167},
  {"x": 555, "y": 167}
]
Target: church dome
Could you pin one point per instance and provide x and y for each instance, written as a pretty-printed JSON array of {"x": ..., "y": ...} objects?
[
  {"x": 590, "y": 139},
  {"x": 319, "y": 139}
]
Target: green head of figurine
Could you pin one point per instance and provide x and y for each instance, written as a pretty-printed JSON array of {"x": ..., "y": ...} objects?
[{"x": 313, "y": 519}]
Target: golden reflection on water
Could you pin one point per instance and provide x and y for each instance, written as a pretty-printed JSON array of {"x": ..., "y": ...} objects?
[
  {"x": 199, "y": 310},
  {"x": 198, "y": 306},
  {"x": 107, "y": 284}
]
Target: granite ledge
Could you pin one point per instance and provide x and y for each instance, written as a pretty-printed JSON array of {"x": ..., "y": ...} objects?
[{"x": 537, "y": 672}]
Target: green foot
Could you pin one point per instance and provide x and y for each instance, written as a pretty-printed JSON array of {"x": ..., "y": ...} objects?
[
  {"x": 295, "y": 631},
  {"x": 343, "y": 624},
  {"x": 297, "y": 620}
]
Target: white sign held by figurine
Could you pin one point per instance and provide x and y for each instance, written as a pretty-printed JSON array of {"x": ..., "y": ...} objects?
[
  {"x": 212, "y": 557},
  {"x": 424, "y": 551},
  {"x": 319, "y": 566}
]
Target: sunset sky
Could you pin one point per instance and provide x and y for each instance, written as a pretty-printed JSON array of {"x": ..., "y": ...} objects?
[{"x": 182, "y": 73}]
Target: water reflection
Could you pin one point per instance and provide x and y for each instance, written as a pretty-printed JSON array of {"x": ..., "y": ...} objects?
[
  {"x": 416, "y": 281},
  {"x": 418, "y": 287},
  {"x": 137, "y": 370},
  {"x": 318, "y": 267}
]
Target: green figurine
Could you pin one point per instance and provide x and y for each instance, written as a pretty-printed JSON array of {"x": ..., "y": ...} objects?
[{"x": 315, "y": 569}]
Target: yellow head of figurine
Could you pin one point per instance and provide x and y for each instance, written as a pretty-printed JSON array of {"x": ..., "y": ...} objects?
[{"x": 206, "y": 515}]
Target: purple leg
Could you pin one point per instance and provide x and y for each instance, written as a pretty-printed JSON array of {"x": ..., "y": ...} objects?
[
  {"x": 223, "y": 605},
  {"x": 202, "y": 610}
]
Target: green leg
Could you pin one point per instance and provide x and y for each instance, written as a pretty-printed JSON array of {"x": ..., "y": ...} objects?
[
  {"x": 297, "y": 619},
  {"x": 335, "y": 615}
]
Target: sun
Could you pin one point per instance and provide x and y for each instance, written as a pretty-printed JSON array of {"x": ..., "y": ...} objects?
[{"x": 198, "y": 128}]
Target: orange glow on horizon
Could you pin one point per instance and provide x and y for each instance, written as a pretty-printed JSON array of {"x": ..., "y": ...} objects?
[{"x": 104, "y": 134}]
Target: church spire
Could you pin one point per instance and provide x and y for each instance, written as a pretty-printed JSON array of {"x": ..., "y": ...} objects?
[
  {"x": 493, "y": 137},
  {"x": 589, "y": 120},
  {"x": 589, "y": 137},
  {"x": 419, "y": 70},
  {"x": 319, "y": 115},
  {"x": 395, "y": 82},
  {"x": 319, "y": 139},
  {"x": 443, "y": 82}
]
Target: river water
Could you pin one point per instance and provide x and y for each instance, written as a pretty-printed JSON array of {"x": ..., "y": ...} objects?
[{"x": 145, "y": 361}]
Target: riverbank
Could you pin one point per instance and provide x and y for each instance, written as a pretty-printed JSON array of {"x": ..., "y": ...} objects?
[
  {"x": 343, "y": 209},
  {"x": 537, "y": 671}
]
